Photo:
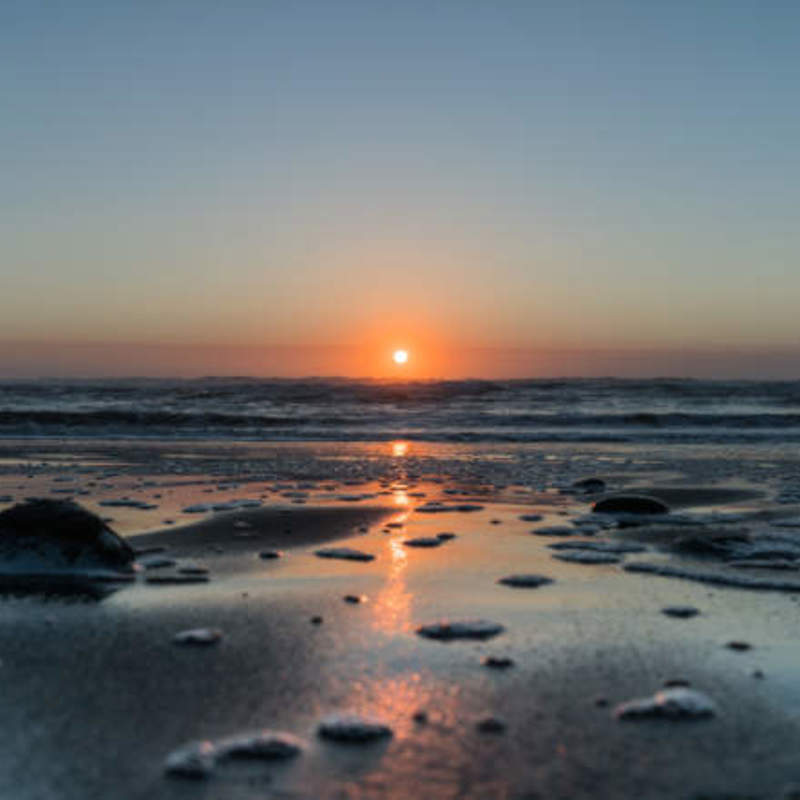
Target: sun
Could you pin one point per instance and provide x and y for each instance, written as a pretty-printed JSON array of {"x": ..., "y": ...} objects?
[{"x": 400, "y": 356}]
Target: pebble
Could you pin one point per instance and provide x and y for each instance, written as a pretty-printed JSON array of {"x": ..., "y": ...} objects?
[
  {"x": 202, "y": 636},
  {"x": 525, "y": 581},
  {"x": 676, "y": 703},
  {"x": 460, "y": 629},
  {"x": 424, "y": 541},
  {"x": 350, "y": 728},
  {"x": 347, "y": 553},
  {"x": 445, "y": 536},
  {"x": 587, "y": 557},
  {"x": 420, "y": 717},
  {"x": 265, "y": 745},
  {"x": 497, "y": 662},
  {"x": 554, "y": 530},
  {"x": 355, "y": 598},
  {"x": 531, "y": 517},
  {"x": 268, "y": 554},
  {"x": 316, "y": 620},
  {"x": 198, "y": 760},
  {"x": 630, "y": 504},
  {"x": 195, "y": 760},
  {"x": 491, "y": 725},
  {"x": 739, "y": 646},
  {"x": 682, "y": 612}
]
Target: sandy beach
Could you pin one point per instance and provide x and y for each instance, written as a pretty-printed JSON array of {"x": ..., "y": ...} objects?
[{"x": 97, "y": 694}]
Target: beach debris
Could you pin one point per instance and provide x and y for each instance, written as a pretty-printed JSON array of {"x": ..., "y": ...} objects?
[
  {"x": 630, "y": 504},
  {"x": 490, "y": 725},
  {"x": 201, "y": 636},
  {"x": 716, "y": 578},
  {"x": 681, "y": 612},
  {"x": 350, "y": 728},
  {"x": 198, "y": 760},
  {"x": 532, "y": 517},
  {"x": 738, "y": 646},
  {"x": 346, "y": 553},
  {"x": 194, "y": 760},
  {"x": 554, "y": 530},
  {"x": 460, "y": 629},
  {"x": 445, "y": 536},
  {"x": 424, "y": 541},
  {"x": 497, "y": 662},
  {"x": 525, "y": 581},
  {"x": 56, "y": 540},
  {"x": 590, "y": 485},
  {"x": 270, "y": 554},
  {"x": 678, "y": 703},
  {"x": 600, "y": 546},
  {"x": 587, "y": 557}
]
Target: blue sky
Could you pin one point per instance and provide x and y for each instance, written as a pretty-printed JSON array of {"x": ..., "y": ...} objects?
[{"x": 510, "y": 175}]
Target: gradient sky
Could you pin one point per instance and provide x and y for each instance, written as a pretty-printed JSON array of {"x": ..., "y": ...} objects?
[{"x": 298, "y": 187}]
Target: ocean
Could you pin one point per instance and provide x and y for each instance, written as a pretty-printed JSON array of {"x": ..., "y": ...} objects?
[{"x": 325, "y": 409}]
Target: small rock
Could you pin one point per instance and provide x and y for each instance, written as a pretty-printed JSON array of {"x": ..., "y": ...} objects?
[
  {"x": 531, "y": 517},
  {"x": 264, "y": 745},
  {"x": 204, "y": 636},
  {"x": 420, "y": 717},
  {"x": 424, "y": 541},
  {"x": 460, "y": 629},
  {"x": 491, "y": 725},
  {"x": 682, "y": 612},
  {"x": 554, "y": 530},
  {"x": 445, "y": 536},
  {"x": 270, "y": 554},
  {"x": 677, "y": 703},
  {"x": 630, "y": 504},
  {"x": 497, "y": 662},
  {"x": 355, "y": 598},
  {"x": 587, "y": 557},
  {"x": 353, "y": 729},
  {"x": 525, "y": 581},
  {"x": 739, "y": 646},
  {"x": 346, "y": 553},
  {"x": 317, "y": 620},
  {"x": 195, "y": 760}
]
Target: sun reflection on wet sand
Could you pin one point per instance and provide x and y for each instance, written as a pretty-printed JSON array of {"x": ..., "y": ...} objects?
[{"x": 392, "y": 607}]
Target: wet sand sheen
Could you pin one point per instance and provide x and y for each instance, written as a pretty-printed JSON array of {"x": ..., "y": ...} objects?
[{"x": 292, "y": 651}]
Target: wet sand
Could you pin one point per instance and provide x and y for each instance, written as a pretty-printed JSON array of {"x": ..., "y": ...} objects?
[{"x": 96, "y": 694}]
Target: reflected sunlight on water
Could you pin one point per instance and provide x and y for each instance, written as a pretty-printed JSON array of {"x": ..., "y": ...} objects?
[{"x": 392, "y": 607}]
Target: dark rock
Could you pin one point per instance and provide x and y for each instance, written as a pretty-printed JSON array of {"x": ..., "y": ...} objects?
[
  {"x": 460, "y": 629},
  {"x": 630, "y": 504},
  {"x": 56, "y": 545},
  {"x": 525, "y": 581},
  {"x": 491, "y": 725},
  {"x": 677, "y": 703},
  {"x": 682, "y": 612},
  {"x": 739, "y": 646},
  {"x": 498, "y": 662},
  {"x": 590, "y": 485}
]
